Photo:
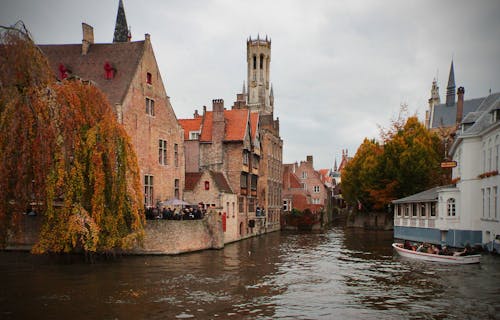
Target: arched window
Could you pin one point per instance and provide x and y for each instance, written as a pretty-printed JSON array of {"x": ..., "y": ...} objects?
[
  {"x": 254, "y": 62},
  {"x": 261, "y": 61},
  {"x": 451, "y": 207},
  {"x": 207, "y": 185},
  {"x": 149, "y": 78}
]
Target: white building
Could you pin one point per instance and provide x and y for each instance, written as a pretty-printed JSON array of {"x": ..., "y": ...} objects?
[{"x": 467, "y": 212}]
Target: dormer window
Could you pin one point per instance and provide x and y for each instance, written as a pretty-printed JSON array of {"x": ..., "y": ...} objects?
[
  {"x": 194, "y": 135},
  {"x": 109, "y": 71},
  {"x": 495, "y": 115},
  {"x": 149, "y": 78},
  {"x": 63, "y": 71}
]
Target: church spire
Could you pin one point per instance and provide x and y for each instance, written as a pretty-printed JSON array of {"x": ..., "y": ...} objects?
[
  {"x": 121, "y": 28},
  {"x": 450, "y": 90}
]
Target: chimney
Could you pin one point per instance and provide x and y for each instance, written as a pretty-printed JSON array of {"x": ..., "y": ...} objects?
[
  {"x": 218, "y": 126},
  {"x": 460, "y": 105},
  {"x": 204, "y": 110},
  {"x": 196, "y": 114},
  {"x": 309, "y": 160},
  {"x": 88, "y": 37}
]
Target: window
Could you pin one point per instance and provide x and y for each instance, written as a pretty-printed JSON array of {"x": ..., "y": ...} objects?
[
  {"x": 484, "y": 202},
  {"x": 109, "y": 71},
  {"x": 245, "y": 157},
  {"x": 495, "y": 201},
  {"x": 149, "y": 79},
  {"x": 244, "y": 181},
  {"x": 254, "y": 182},
  {"x": 194, "y": 135},
  {"x": 414, "y": 210},
  {"x": 241, "y": 204},
  {"x": 316, "y": 189},
  {"x": 451, "y": 207},
  {"x": 207, "y": 186},
  {"x": 255, "y": 161},
  {"x": 316, "y": 201},
  {"x": 254, "y": 62},
  {"x": 423, "y": 211},
  {"x": 285, "y": 205},
  {"x": 407, "y": 210},
  {"x": 150, "y": 107},
  {"x": 176, "y": 189},
  {"x": 176, "y": 154},
  {"x": 251, "y": 204},
  {"x": 489, "y": 159},
  {"x": 397, "y": 210},
  {"x": 488, "y": 191},
  {"x": 261, "y": 61},
  {"x": 162, "y": 152},
  {"x": 433, "y": 209},
  {"x": 148, "y": 190},
  {"x": 304, "y": 175},
  {"x": 304, "y": 186}
]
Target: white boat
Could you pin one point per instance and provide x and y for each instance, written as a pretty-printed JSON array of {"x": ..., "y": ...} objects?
[{"x": 435, "y": 257}]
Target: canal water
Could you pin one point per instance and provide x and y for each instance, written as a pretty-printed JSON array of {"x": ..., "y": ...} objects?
[{"x": 338, "y": 274}]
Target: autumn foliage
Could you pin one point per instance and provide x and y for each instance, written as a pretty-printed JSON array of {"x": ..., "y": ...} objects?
[
  {"x": 62, "y": 150},
  {"x": 405, "y": 162}
]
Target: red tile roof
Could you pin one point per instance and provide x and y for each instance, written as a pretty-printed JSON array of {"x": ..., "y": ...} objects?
[
  {"x": 124, "y": 57},
  {"x": 190, "y": 125},
  {"x": 235, "y": 125},
  {"x": 254, "y": 120}
]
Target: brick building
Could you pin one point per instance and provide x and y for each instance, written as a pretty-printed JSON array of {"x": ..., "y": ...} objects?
[
  {"x": 212, "y": 189},
  {"x": 228, "y": 142},
  {"x": 311, "y": 188},
  {"x": 127, "y": 72}
]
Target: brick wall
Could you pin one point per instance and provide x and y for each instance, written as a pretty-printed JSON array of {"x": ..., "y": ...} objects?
[{"x": 146, "y": 130}]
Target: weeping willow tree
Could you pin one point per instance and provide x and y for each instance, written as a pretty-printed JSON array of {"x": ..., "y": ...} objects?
[{"x": 62, "y": 149}]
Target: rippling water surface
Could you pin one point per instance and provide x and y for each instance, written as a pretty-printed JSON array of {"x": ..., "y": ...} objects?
[{"x": 338, "y": 274}]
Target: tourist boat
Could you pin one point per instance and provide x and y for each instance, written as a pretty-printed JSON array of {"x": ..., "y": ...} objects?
[{"x": 435, "y": 257}]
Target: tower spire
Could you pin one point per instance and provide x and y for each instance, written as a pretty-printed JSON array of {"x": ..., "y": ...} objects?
[
  {"x": 450, "y": 89},
  {"x": 121, "y": 28}
]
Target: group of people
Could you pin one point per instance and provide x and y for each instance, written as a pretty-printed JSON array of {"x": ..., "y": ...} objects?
[
  {"x": 186, "y": 213},
  {"x": 437, "y": 249}
]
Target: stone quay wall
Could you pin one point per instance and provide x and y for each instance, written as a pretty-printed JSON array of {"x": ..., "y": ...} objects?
[{"x": 167, "y": 237}]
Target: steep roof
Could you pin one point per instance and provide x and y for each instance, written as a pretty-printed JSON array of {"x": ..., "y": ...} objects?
[
  {"x": 482, "y": 116},
  {"x": 190, "y": 125},
  {"x": 193, "y": 179},
  {"x": 124, "y": 57},
  {"x": 221, "y": 181},
  {"x": 445, "y": 116},
  {"x": 236, "y": 121}
]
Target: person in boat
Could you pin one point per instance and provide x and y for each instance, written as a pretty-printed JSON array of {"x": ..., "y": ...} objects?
[
  {"x": 408, "y": 246},
  {"x": 444, "y": 251},
  {"x": 467, "y": 250},
  {"x": 422, "y": 248}
]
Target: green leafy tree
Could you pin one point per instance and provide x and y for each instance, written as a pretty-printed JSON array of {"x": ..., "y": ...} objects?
[{"x": 62, "y": 149}]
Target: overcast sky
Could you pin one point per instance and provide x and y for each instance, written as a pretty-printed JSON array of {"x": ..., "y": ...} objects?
[{"x": 338, "y": 68}]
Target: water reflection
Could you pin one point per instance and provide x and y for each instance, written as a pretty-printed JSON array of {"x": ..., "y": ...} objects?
[{"x": 347, "y": 274}]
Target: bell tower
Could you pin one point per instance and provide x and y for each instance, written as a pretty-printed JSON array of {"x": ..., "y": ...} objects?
[{"x": 260, "y": 97}]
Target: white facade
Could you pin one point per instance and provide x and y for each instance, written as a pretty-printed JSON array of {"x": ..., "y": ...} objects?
[{"x": 469, "y": 211}]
